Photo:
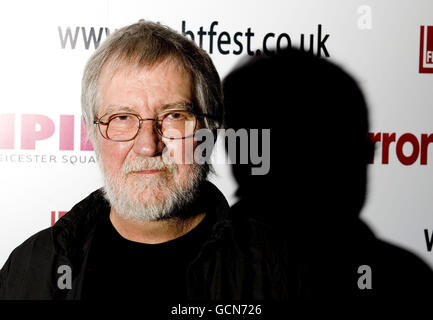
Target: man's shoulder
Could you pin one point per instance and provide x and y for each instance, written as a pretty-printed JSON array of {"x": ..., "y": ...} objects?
[
  {"x": 40, "y": 242},
  {"x": 30, "y": 265},
  {"x": 253, "y": 232},
  {"x": 46, "y": 242},
  {"x": 85, "y": 209},
  {"x": 33, "y": 253}
]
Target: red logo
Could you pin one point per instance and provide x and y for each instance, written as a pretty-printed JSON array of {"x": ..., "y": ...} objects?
[
  {"x": 55, "y": 217},
  {"x": 426, "y": 50},
  {"x": 418, "y": 147}
]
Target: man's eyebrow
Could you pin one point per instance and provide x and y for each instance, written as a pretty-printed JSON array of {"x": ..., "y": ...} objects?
[
  {"x": 176, "y": 105},
  {"x": 115, "y": 108}
]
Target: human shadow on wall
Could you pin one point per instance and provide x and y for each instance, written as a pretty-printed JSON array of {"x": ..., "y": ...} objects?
[{"x": 316, "y": 186}]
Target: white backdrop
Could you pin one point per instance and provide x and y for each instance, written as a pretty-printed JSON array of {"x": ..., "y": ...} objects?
[{"x": 44, "y": 169}]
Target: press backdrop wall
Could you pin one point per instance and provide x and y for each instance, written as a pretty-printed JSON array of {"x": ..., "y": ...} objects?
[{"x": 386, "y": 45}]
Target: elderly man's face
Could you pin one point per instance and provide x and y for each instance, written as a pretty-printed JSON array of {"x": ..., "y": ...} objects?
[{"x": 139, "y": 182}]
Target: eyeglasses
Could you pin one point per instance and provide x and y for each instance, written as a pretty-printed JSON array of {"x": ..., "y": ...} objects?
[{"x": 170, "y": 124}]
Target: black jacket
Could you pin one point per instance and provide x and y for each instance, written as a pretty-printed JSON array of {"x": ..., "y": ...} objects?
[{"x": 239, "y": 260}]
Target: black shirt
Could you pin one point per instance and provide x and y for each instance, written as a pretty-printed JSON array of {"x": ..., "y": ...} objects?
[
  {"x": 124, "y": 269},
  {"x": 240, "y": 259}
]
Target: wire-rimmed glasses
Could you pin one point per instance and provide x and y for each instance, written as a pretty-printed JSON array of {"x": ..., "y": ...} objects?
[{"x": 171, "y": 124}]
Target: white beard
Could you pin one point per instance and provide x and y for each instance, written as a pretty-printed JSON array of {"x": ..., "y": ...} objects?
[{"x": 165, "y": 193}]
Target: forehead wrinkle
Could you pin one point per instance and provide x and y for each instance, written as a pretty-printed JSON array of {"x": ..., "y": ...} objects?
[
  {"x": 140, "y": 73},
  {"x": 119, "y": 63},
  {"x": 122, "y": 69}
]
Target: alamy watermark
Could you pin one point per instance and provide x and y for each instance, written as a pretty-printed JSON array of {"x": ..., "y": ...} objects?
[
  {"x": 65, "y": 279},
  {"x": 243, "y": 146},
  {"x": 364, "y": 281}
]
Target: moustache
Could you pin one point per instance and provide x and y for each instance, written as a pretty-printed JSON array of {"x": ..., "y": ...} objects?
[{"x": 166, "y": 164}]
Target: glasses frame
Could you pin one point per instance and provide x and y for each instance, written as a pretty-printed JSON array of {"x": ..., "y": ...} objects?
[{"x": 156, "y": 128}]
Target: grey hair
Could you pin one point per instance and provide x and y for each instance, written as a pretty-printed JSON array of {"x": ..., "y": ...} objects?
[{"x": 147, "y": 43}]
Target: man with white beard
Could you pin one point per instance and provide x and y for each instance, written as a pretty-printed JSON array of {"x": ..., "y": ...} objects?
[{"x": 157, "y": 230}]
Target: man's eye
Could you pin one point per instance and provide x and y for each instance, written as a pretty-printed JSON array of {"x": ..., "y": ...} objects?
[
  {"x": 122, "y": 117},
  {"x": 176, "y": 115}
]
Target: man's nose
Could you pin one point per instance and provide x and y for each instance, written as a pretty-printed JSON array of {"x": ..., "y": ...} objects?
[{"x": 148, "y": 142}]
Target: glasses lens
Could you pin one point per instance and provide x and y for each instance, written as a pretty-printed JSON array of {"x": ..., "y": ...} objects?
[
  {"x": 122, "y": 127},
  {"x": 177, "y": 124}
]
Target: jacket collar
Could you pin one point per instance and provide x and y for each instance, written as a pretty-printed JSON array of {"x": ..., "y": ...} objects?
[{"x": 72, "y": 234}]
